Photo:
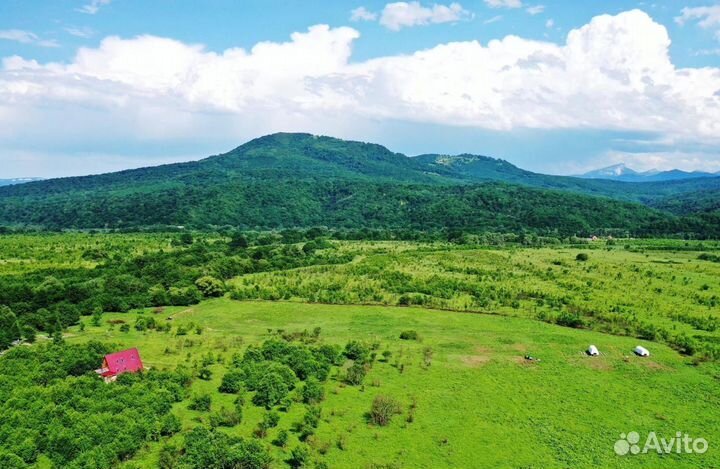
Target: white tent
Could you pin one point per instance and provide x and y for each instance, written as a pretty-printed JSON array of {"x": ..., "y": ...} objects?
[
  {"x": 593, "y": 351},
  {"x": 641, "y": 351}
]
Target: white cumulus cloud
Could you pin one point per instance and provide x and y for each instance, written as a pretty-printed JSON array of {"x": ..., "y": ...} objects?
[
  {"x": 707, "y": 17},
  {"x": 614, "y": 73},
  {"x": 405, "y": 14}
]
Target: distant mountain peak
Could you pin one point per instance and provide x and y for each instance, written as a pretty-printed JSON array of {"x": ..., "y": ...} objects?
[
  {"x": 621, "y": 172},
  {"x": 619, "y": 169}
]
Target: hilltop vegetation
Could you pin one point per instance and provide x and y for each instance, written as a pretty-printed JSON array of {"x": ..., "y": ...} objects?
[{"x": 299, "y": 180}]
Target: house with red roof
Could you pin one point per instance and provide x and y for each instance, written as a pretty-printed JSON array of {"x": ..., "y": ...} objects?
[{"x": 115, "y": 364}]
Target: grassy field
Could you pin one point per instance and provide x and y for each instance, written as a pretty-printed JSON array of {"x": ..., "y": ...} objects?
[
  {"x": 478, "y": 404},
  {"x": 641, "y": 290},
  {"x": 468, "y": 396}
]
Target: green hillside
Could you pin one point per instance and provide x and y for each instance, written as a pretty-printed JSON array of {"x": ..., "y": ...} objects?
[
  {"x": 657, "y": 193},
  {"x": 301, "y": 180}
]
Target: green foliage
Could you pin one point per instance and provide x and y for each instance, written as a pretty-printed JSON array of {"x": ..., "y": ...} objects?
[
  {"x": 282, "y": 438},
  {"x": 239, "y": 241},
  {"x": 409, "y": 335},
  {"x": 225, "y": 417},
  {"x": 135, "y": 271},
  {"x": 356, "y": 374},
  {"x": 269, "y": 420},
  {"x": 207, "y": 449},
  {"x": 709, "y": 257},
  {"x": 582, "y": 257},
  {"x": 53, "y": 406},
  {"x": 9, "y": 327},
  {"x": 168, "y": 457},
  {"x": 271, "y": 389},
  {"x": 383, "y": 409},
  {"x": 358, "y": 351},
  {"x": 313, "y": 391},
  {"x": 299, "y": 457},
  {"x": 232, "y": 382},
  {"x": 169, "y": 425},
  {"x": 298, "y": 180},
  {"x": 568, "y": 319},
  {"x": 205, "y": 373},
  {"x": 201, "y": 402},
  {"x": 210, "y": 286},
  {"x": 254, "y": 372}
]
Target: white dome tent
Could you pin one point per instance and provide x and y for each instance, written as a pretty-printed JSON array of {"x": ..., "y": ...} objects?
[
  {"x": 641, "y": 351},
  {"x": 592, "y": 351}
]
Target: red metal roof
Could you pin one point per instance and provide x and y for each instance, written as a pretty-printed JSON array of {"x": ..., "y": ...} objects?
[{"x": 127, "y": 361}]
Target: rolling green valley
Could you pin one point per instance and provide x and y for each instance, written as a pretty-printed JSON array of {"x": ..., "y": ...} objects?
[{"x": 304, "y": 348}]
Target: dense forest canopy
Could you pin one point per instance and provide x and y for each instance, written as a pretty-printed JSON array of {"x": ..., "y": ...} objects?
[{"x": 300, "y": 180}]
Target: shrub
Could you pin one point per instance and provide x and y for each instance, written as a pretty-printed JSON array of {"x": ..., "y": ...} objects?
[
  {"x": 684, "y": 344},
  {"x": 281, "y": 439},
  {"x": 383, "y": 409},
  {"x": 205, "y": 373},
  {"x": 270, "y": 420},
  {"x": 355, "y": 374},
  {"x": 357, "y": 351},
  {"x": 232, "y": 382},
  {"x": 313, "y": 392},
  {"x": 409, "y": 335},
  {"x": 569, "y": 320},
  {"x": 169, "y": 425},
  {"x": 210, "y": 286},
  {"x": 299, "y": 457},
  {"x": 581, "y": 257},
  {"x": 201, "y": 403},
  {"x": 168, "y": 457},
  {"x": 225, "y": 417}
]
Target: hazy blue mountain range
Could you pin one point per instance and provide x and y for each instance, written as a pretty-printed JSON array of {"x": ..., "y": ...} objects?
[
  {"x": 620, "y": 172},
  {"x": 10, "y": 182}
]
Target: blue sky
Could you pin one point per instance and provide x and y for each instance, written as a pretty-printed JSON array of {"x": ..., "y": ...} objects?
[{"x": 88, "y": 86}]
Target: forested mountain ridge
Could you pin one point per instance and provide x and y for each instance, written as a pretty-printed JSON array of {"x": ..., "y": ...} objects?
[
  {"x": 295, "y": 180},
  {"x": 657, "y": 194}
]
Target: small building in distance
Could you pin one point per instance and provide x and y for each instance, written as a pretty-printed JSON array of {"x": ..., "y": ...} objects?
[{"x": 115, "y": 364}]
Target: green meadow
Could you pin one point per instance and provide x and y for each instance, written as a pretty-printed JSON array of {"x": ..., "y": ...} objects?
[
  {"x": 658, "y": 291},
  {"x": 459, "y": 388},
  {"x": 478, "y": 403}
]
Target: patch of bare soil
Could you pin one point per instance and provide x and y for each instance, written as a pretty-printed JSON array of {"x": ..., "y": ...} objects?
[{"x": 474, "y": 361}]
